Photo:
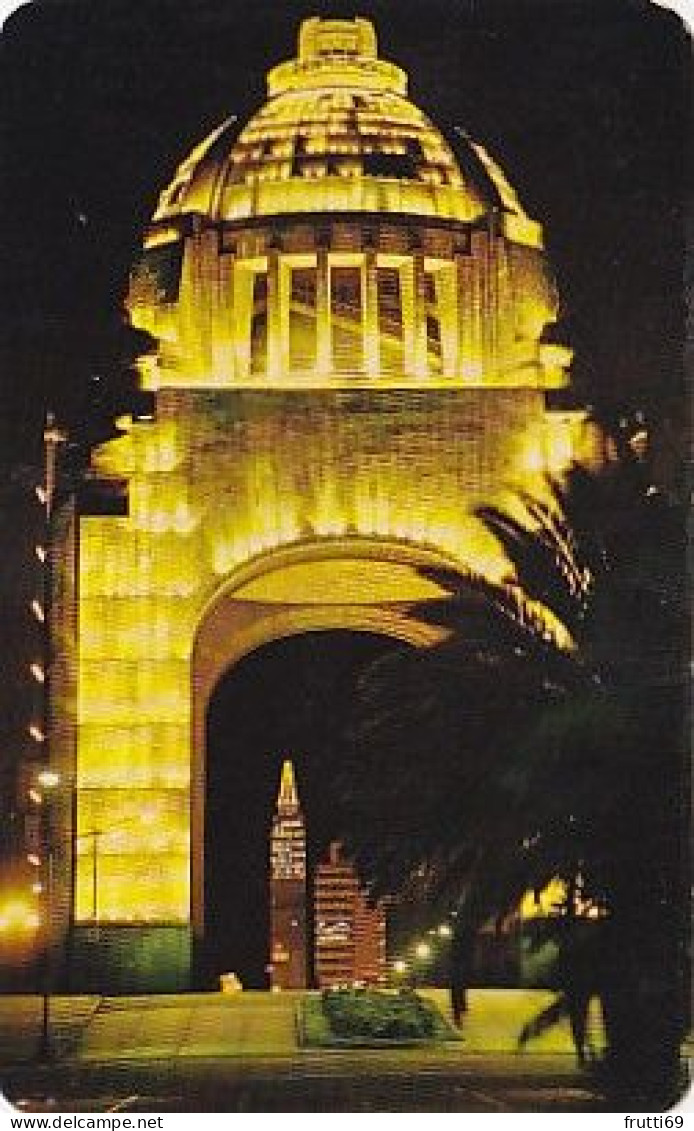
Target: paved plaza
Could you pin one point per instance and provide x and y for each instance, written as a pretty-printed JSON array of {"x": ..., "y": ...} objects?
[
  {"x": 242, "y": 1052},
  {"x": 217, "y": 1052},
  {"x": 249, "y": 1024}
]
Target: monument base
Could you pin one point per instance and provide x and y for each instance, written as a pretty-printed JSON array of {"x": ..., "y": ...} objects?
[{"x": 130, "y": 959}]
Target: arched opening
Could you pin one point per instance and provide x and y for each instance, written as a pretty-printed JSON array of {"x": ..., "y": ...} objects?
[{"x": 290, "y": 697}]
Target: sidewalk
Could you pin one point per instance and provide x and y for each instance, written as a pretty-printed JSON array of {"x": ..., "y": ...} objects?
[{"x": 21, "y": 1024}]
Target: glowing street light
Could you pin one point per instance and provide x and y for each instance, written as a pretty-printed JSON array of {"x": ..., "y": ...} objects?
[
  {"x": 38, "y": 673},
  {"x": 400, "y": 966},
  {"x": 423, "y": 950},
  {"x": 38, "y": 610},
  {"x": 49, "y": 779},
  {"x": 36, "y": 733},
  {"x": 444, "y": 931},
  {"x": 16, "y": 916}
]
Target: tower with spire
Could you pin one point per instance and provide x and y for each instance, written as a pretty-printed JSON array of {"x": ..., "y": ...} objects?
[{"x": 288, "y": 887}]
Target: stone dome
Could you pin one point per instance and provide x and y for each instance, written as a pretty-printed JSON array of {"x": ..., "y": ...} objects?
[
  {"x": 337, "y": 133},
  {"x": 337, "y": 239}
]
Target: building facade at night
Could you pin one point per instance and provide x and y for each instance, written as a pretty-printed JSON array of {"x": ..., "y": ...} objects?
[
  {"x": 288, "y": 888},
  {"x": 352, "y": 355},
  {"x": 349, "y": 933}
]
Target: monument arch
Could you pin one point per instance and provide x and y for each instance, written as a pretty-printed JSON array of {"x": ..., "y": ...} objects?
[{"x": 352, "y": 355}]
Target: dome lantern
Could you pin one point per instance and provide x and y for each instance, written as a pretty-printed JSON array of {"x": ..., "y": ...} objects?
[{"x": 337, "y": 53}]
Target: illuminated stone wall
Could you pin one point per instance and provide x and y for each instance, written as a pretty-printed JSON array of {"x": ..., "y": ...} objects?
[{"x": 217, "y": 480}]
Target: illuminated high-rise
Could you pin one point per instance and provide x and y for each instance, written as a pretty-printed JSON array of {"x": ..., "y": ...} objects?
[
  {"x": 288, "y": 887},
  {"x": 351, "y": 314},
  {"x": 349, "y": 932}
]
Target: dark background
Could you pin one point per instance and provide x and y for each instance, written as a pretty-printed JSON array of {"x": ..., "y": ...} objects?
[{"x": 583, "y": 104}]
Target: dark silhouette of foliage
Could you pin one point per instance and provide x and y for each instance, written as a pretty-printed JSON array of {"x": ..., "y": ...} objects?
[{"x": 497, "y": 759}]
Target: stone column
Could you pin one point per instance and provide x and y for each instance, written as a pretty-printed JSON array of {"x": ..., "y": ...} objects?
[
  {"x": 463, "y": 282},
  {"x": 479, "y": 300},
  {"x": 243, "y": 304},
  {"x": 285, "y": 299},
  {"x": 274, "y": 316},
  {"x": 421, "y": 367},
  {"x": 446, "y": 300},
  {"x": 324, "y": 356},
  {"x": 408, "y": 317},
  {"x": 370, "y": 285},
  {"x": 492, "y": 312},
  {"x": 223, "y": 334}
]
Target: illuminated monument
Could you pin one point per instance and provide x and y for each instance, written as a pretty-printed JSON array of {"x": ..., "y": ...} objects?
[
  {"x": 288, "y": 888},
  {"x": 352, "y": 354}
]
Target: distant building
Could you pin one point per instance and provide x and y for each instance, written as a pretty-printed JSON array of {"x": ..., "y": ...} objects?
[
  {"x": 350, "y": 935},
  {"x": 288, "y": 888}
]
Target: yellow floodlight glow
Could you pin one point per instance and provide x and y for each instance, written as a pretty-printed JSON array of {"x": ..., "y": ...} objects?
[{"x": 423, "y": 951}]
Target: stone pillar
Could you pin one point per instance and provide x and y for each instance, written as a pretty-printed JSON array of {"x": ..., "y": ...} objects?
[
  {"x": 479, "y": 300},
  {"x": 446, "y": 301},
  {"x": 285, "y": 299},
  {"x": 223, "y": 336},
  {"x": 408, "y": 317},
  {"x": 370, "y": 286},
  {"x": 463, "y": 275},
  {"x": 492, "y": 312},
  {"x": 243, "y": 304},
  {"x": 421, "y": 367},
  {"x": 205, "y": 294},
  {"x": 274, "y": 315},
  {"x": 324, "y": 356},
  {"x": 505, "y": 313}
]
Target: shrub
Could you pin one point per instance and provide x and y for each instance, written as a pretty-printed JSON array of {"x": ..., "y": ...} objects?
[{"x": 385, "y": 1016}]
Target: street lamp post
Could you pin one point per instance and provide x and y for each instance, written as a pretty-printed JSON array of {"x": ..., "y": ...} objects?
[
  {"x": 48, "y": 780},
  {"x": 45, "y": 1049},
  {"x": 94, "y": 835}
]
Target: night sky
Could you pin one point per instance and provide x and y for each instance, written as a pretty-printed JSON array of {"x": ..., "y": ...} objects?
[{"x": 583, "y": 104}]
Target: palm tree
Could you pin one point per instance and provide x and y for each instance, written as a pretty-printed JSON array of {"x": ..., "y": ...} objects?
[{"x": 499, "y": 759}]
